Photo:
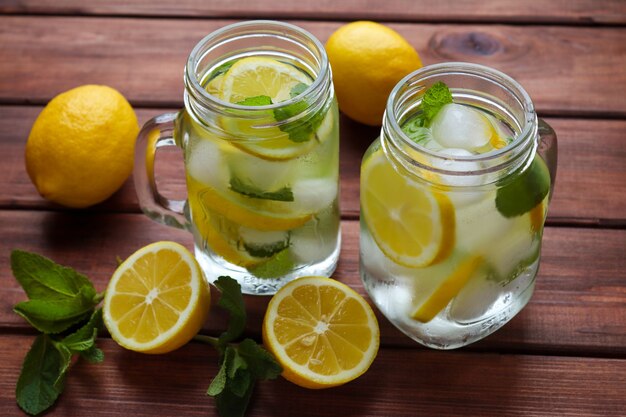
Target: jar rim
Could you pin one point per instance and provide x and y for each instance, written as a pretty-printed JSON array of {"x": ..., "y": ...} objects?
[
  {"x": 253, "y": 28},
  {"x": 521, "y": 139}
]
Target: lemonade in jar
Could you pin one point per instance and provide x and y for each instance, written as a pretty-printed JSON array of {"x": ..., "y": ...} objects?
[
  {"x": 260, "y": 139},
  {"x": 454, "y": 196}
]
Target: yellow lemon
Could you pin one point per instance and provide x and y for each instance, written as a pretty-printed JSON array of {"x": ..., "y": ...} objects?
[
  {"x": 81, "y": 147},
  {"x": 321, "y": 332},
  {"x": 412, "y": 224},
  {"x": 157, "y": 300},
  {"x": 367, "y": 60}
]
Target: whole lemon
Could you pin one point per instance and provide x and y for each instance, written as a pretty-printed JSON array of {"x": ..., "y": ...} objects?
[
  {"x": 367, "y": 61},
  {"x": 81, "y": 147}
]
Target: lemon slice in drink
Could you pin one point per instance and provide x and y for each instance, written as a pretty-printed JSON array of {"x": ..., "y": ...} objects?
[
  {"x": 263, "y": 215},
  {"x": 261, "y": 76},
  {"x": 448, "y": 289},
  {"x": 321, "y": 332},
  {"x": 157, "y": 299},
  {"x": 412, "y": 224}
]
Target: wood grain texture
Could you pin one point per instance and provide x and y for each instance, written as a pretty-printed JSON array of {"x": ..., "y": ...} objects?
[
  {"x": 530, "y": 11},
  {"x": 144, "y": 58},
  {"x": 431, "y": 383},
  {"x": 579, "y": 303},
  {"x": 590, "y": 186}
]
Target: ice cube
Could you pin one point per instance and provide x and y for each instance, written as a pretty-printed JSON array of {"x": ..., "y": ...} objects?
[
  {"x": 315, "y": 194},
  {"x": 459, "y": 126},
  {"x": 205, "y": 163},
  {"x": 262, "y": 174}
]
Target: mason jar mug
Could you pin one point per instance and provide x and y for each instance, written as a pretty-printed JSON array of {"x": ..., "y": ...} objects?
[
  {"x": 260, "y": 138},
  {"x": 454, "y": 195}
]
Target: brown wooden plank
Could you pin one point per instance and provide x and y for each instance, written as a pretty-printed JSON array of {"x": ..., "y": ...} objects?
[
  {"x": 404, "y": 382},
  {"x": 531, "y": 11},
  {"x": 590, "y": 187},
  {"x": 579, "y": 303},
  {"x": 566, "y": 70}
]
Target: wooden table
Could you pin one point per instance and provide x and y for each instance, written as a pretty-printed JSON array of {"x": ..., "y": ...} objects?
[{"x": 565, "y": 354}]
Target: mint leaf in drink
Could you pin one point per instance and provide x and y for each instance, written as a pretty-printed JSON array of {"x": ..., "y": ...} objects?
[
  {"x": 222, "y": 69},
  {"x": 415, "y": 130},
  {"x": 301, "y": 129},
  {"x": 297, "y": 89},
  {"x": 437, "y": 96},
  {"x": 41, "y": 278},
  {"x": 276, "y": 266},
  {"x": 232, "y": 301},
  {"x": 238, "y": 186},
  {"x": 265, "y": 250},
  {"x": 42, "y": 367},
  {"x": 57, "y": 314},
  {"x": 525, "y": 191},
  {"x": 256, "y": 101}
]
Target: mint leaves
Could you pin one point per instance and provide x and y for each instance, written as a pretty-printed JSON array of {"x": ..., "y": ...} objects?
[
  {"x": 238, "y": 186},
  {"x": 256, "y": 101},
  {"x": 437, "y": 96},
  {"x": 240, "y": 365},
  {"x": 525, "y": 191},
  {"x": 301, "y": 130},
  {"x": 62, "y": 306},
  {"x": 416, "y": 128},
  {"x": 279, "y": 264}
]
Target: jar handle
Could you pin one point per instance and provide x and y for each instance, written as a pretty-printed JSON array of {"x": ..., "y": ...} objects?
[
  {"x": 158, "y": 132},
  {"x": 548, "y": 150}
]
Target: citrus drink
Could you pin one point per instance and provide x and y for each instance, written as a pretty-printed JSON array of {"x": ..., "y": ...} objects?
[
  {"x": 452, "y": 214},
  {"x": 262, "y": 177}
]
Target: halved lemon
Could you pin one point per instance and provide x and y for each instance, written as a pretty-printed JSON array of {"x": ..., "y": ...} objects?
[
  {"x": 322, "y": 332},
  {"x": 412, "y": 224},
  {"x": 261, "y": 76},
  {"x": 157, "y": 299}
]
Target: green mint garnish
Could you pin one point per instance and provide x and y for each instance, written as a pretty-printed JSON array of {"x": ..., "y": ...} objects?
[
  {"x": 298, "y": 130},
  {"x": 525, "y": 191},
  {"x": 278, "y": 265},
  {"x": 298, "y": 89},
  {"x": 222, "y": 69},
  {"x": 62, "y": 306},
  {"x": 256, "y": 101},
  {"x": 415, "y": 130},
  {"x": 265, "y": 250},
  {"x": 238, "y": 186},
  {"x": 437, "y": 96},
  {"x": 241, "y": 365}
]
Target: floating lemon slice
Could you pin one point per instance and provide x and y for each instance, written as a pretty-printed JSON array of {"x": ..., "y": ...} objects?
[
  {"x": 157, "y": 299},
  {"x": 267, "y": 215},
  {"x": 411, "y": 224},
  {"x": 321, "y": 332},
  {"x": 260, "y": 76},
  {"x": 448, "y": 289}
]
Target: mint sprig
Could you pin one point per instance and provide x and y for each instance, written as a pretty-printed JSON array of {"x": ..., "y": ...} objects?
[
  {"x": 62, "y": 306},
  {"x": 256, "y": 101},
  {"x": 249, "y": 190},
  {"x": 301, "y": 130},
  {"x": 435, "y": 97},
  {"x": 241, "y": 365}
]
